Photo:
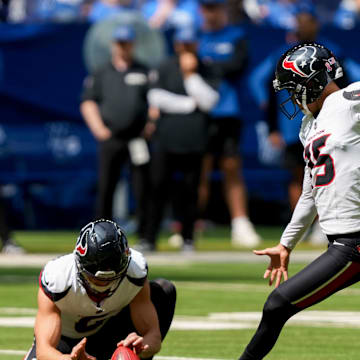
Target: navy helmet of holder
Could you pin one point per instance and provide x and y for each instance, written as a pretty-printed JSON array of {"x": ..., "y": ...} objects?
[
  {"x": 304, "y": 71},
  {"x": 102, "y": 256}
]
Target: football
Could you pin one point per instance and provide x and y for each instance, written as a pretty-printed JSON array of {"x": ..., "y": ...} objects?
[{"x": 124, "y": 353}]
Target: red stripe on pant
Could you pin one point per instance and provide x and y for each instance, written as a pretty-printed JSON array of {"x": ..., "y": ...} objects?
[{"x": 330, "y": 288}]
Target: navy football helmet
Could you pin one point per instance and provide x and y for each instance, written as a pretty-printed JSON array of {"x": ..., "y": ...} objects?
[
  {"x": 304, "y": 71},
  {"x": 102, "y": 256}
]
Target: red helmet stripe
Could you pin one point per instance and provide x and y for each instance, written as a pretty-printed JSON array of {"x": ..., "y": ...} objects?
[
  {"x": 81, "y": 250},
  {"x": 290, "y": 65}
]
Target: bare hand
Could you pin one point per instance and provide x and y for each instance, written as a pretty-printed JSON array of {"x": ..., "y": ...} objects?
[
  {"x": 279, "y": 261},
  {"x": 134, "y": 341},
  {"x": 78, "y": 352},
  {"x": 102, "y": 133},
  {"x": 188, "y": 63}
]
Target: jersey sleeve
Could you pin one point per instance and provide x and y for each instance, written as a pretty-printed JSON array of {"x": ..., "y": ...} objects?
[
  {"x": 303, "y": 216},
  {"x": 55, "y": 279},
  {"x": 92, "y": 88},
  {"x": 356, "y": 104},
  {"x": 138, "y": 269}
]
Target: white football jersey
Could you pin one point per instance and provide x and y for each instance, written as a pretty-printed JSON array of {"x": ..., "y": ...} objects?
[
  {"x": 331, "y": 185},
  {"x": 80, "y": 316}
]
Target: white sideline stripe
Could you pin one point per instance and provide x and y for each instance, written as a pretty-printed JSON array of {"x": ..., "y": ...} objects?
[
  {"x": 24, "y": 322},
  {"x": 233, "y": 321},
  {"x": 167, "y": 258},
  {"x": 13, "y": 352},
  {"x": 17, "y": 311}
]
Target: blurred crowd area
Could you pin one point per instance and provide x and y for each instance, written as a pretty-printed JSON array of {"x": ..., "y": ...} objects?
[
  {"x": 49, "y": 47},
  {"x": 344, "y": 14}
]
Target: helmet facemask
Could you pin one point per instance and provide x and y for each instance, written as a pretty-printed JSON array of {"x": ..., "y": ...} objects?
[
  {"x": 302, "y": 94},
  {"x": 102, "y": 282}
]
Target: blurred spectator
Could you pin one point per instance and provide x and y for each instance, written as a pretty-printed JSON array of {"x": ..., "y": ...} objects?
[
  {"x": 114, "y": 107},
  {"x": 56, "y": 10},
  {"x": 325, "y": 10},
  {"x": 171, "y": 14},
  {"x": 276, "y": 13},
  {"x": 347, "y": 15},
  {"x": 4, "y": 10},
  {"x": 283, "y": 134},
  {"x": 236, "y": 11},
  {"x": 105, "y": 9},
  {"x": 8, "y": 245},
  {"x": 224, "y": 47},
  {"x": 181, "y": 96}
]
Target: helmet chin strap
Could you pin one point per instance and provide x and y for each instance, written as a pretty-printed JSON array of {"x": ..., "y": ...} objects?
[
  {"x": 109, "y": 288},
  {"x": 303, "y": 104},
  {"x": 100, "y": 289}
]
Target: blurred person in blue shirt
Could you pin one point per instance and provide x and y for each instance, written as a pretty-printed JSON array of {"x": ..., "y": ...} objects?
[
  {"x": 276, "y": 13},
  {"x": 56, "y": 10},
  {"x": 170, "y": 14},
  {"x": 224, "y": 47},
  {"x": 283, "y": 134},
  {"x": 347, "y": 15}
]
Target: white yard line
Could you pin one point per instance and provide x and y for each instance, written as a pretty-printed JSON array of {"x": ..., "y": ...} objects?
[
  {"x": 13, "y": 352},
  {"x": 17, "y": 311},
  {"x": 165, "y": 258},
  {"x": 215, "y": 321},
  {"x": 232, "y": 321}
]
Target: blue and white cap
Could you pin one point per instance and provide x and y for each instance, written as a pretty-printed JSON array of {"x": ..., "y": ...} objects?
[{"x": 124, "y": 33}]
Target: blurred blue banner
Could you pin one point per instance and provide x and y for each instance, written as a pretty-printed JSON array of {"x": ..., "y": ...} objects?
[{"x": 47, "y": 155}]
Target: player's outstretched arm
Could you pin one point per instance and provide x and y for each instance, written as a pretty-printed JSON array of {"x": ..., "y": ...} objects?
[
  {"x": 47, "y": 329},
  {"x": 146, "y": 322},
  {"x": 48, "y": 333},
  {"x": 278, "y": 266}
]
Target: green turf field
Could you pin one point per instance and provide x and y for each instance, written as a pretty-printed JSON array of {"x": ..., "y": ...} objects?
[
  {"x": 206, "y": 293},
  {"x": 212, "y": 239}
]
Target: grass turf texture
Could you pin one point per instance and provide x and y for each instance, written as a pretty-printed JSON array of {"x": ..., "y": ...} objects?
[
  {"x": 202, "y": 289},
  {"x": 209, "y": 240},
  {"x": 314, "y": 344}
]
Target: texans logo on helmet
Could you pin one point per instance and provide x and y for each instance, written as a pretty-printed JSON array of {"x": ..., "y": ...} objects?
[
  {"x": 81, "y": 244},
  {"x": 298, "y": 62}
]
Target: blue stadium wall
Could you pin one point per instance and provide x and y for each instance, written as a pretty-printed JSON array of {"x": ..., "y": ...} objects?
[{"x": 47, "y": 154}]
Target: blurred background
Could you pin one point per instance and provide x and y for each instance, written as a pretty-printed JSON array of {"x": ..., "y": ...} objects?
[{"x": 48, "y": 155}]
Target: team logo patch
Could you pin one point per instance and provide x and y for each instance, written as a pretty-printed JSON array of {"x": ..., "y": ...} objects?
[
  {"x": 298, "y": 62},
  {"x": 352, "y": 95},
  {"x": 81, "y": 244}
]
